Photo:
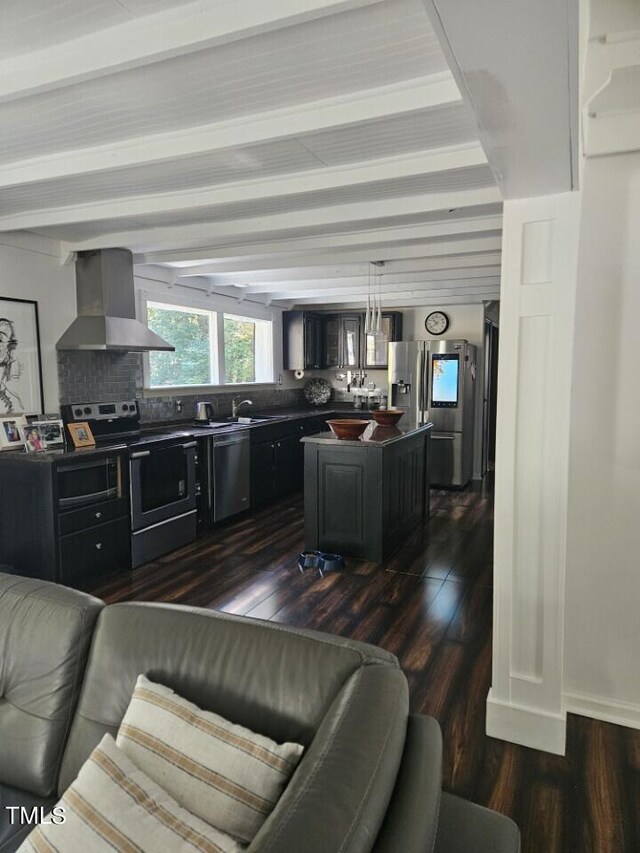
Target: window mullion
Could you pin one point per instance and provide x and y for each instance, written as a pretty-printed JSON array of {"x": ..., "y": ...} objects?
[{"x": 217, "y": 345}]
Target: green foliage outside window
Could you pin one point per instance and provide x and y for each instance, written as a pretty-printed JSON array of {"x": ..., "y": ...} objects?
[
  {"x": 189, "y": 333},
  {"x": 239, "y": 351}
]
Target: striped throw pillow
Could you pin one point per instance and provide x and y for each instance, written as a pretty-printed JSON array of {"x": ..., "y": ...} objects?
[
  {"x": 222, "y": 772},
  {"x": 112, "y": 805}
]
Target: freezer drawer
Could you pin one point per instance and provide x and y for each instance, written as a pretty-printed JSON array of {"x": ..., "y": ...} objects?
[
  {"x": 230, "y": 476},
  {"x": 448, "y": 463}
]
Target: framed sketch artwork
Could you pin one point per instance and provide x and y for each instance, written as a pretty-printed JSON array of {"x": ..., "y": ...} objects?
[{"x": 20, "y": 366}]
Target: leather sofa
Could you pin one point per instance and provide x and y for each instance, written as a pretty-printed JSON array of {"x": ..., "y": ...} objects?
[{"x": 370, "y": 778}]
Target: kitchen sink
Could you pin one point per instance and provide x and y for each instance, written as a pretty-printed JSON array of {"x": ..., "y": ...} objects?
[{"x": 259, "y": 419}]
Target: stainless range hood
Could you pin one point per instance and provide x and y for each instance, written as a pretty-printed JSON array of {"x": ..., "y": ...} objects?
[{"x": 107, "y": 308}]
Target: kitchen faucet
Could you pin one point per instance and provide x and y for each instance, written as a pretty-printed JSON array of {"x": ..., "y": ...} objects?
[{"x": 236, "y": 403}]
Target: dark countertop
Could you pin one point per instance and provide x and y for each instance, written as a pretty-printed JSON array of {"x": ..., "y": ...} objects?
[
  {"x": 373, "y": 436},
  {"x": 186, "y": 429}
]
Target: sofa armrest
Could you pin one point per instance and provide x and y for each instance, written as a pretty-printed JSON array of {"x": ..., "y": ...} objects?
[
  {"x": 411, "y": 821},
  {"x": 468, "y": 828},
  {"x": 338, "y": 796}
]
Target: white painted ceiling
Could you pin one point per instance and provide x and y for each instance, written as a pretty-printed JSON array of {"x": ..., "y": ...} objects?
[{"x": 267, "y": 150}]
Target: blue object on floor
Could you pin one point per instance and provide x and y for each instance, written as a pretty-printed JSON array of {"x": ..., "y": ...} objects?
[
  {"x": 309, "y": 560},
  {"x": 330, "y": 562},
  {"x": 321, "y": 561}
]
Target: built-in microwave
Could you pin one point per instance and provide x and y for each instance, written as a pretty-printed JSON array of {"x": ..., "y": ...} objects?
[{"x": 89, "y": 482}]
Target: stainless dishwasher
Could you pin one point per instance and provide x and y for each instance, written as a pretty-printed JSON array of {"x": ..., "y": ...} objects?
[{"x": 229, "y": 475}]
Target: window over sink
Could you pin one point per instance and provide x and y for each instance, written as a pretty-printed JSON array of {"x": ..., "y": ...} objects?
[{"x": 212, "y": 347}]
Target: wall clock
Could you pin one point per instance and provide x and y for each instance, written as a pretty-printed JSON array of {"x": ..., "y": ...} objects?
[{"x": 437, "y": 323}]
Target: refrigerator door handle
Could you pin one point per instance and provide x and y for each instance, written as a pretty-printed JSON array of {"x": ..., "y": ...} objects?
[{"x": 424, "y": 373}]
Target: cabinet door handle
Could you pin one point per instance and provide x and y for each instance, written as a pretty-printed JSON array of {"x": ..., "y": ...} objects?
[
  {"x": 98, "y": 545},
  {"x": 98, "y": 515}
]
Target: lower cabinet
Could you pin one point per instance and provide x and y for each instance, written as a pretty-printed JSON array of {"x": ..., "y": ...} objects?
[
  {"x": 95, "y": 551},
  {"x": 277, "y": 457}
]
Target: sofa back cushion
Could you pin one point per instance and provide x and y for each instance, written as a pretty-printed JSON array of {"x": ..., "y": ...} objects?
[
  {"x": 45, "y": 632},
  {"x": 274, "y": 680}
]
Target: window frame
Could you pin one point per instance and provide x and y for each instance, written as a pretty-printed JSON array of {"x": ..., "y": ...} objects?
[{"x": 218, "y": 306}]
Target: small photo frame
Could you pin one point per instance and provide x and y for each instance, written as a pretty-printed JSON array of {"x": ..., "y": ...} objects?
[
  {"x": 10, "y": 432},
  {"x": 52, "y": 430},
  {"x": 81, "y": 434},
  {"x": 33, "y": 439}
]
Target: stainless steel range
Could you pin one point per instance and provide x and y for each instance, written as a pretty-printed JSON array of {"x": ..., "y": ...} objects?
[{"x": 162, "y": 476}]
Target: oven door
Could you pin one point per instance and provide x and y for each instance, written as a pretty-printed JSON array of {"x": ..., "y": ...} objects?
[{"x": 163, "y": 483}]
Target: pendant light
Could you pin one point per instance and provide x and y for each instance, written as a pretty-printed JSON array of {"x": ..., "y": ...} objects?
[
  {"x": 377, "y": 330},
  {"x": 373, "y": 313}
]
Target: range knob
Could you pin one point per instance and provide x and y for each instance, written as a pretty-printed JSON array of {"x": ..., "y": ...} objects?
[
  {"x": 87, "y": 410},
  {"x": 77, "y": 412},
  {"x": 125, "y": 407}
]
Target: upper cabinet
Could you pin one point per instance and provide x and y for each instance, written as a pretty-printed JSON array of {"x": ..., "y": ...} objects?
[
  {"x": 376, "y": 348},
  {"x": 343, "y": 340},
  {"x": 316, "y": 341},
  {"x": 303, "y": 344}
]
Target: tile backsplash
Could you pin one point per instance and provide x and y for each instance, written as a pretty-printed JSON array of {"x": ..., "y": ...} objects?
[{"x": 87, "y": 376}]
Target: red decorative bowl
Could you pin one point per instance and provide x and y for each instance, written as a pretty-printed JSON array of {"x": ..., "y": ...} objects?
[
  {"x": 387, "y": 417},
  {"x": 351, "y": 428}
]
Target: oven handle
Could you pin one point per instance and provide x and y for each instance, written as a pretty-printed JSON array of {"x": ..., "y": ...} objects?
[
  {"x": 92, "y": 498},
  {"x": 82, "y": 466},
  {"x": 140, "y": 453},
  {"x": 190, "y": 444}
]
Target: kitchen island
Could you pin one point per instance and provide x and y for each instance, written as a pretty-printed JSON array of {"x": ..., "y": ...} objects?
[{"x": 363, "y": 498}]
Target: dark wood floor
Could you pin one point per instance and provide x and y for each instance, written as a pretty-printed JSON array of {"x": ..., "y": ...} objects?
[{"x": 431, "y": 605}]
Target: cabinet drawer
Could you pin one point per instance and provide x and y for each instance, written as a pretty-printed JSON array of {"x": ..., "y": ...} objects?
[
  {"x": 90, "y": 516},
  {"x": 99, "y": 550}
]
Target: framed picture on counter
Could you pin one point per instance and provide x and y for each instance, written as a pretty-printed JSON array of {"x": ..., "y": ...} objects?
[
  {"x": 20, "y": 365},
  {"x": 52, "y": 430},
  {"x": 10, "y": 432},
  {"x": 34, "y": 441},
  {"x": 81, "y": 434}
]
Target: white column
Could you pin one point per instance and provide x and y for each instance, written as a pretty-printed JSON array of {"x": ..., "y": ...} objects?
[{"x": 539, "y": 264}]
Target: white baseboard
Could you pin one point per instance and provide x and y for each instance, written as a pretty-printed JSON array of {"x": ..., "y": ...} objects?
[
  {"x": 526, "y": 726},
  {"x": 607, "y": 710}
]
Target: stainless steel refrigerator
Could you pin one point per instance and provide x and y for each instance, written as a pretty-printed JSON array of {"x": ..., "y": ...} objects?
[{"x": 435, "y": 382}]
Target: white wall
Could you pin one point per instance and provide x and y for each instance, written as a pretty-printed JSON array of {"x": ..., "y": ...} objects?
[
  {"x": 602, "y": 644},
  {"x": 30, "y": 269}
]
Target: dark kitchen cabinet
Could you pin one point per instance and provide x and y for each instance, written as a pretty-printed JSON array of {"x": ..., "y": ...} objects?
[
  {"x": 365, "y": 500},
  {"x": 376, "y": 349},
  {"x": 288, "y": 465},
  {"x": 41, "y": 538},
  {"x": 343, "y": 340},
  {"x": 303, "y": 340},
  {"x": 277, "y": 457},
  {"x": 93, "y": 552},
  {"x": 262, "y": 462}
]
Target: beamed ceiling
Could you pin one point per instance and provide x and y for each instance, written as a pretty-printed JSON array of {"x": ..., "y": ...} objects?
[{"x": 267, "y": 150}]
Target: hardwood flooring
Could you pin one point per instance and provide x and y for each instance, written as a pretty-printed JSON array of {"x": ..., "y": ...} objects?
[{"x": 431, "y": 605}]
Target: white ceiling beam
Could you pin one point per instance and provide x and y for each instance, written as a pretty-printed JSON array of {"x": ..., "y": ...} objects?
[
  {"x": 446, "y": 248},
  {"x": 412, "y": 297},
  {"x": 338, "y": 272},
  {"x": 361, "y": 290},
  {"x": 283, "y": 123},
  {"x": 314, "y": 180},
  {"x": 213, "y": 259},
  {"x": 362, "y": 281},
  {"x": 154, "y": 38},
  {"x": 320, "y": 217}
]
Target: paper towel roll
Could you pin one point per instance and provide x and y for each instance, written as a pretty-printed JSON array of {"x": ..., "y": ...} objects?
[{"x": 299, "y": 374}]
